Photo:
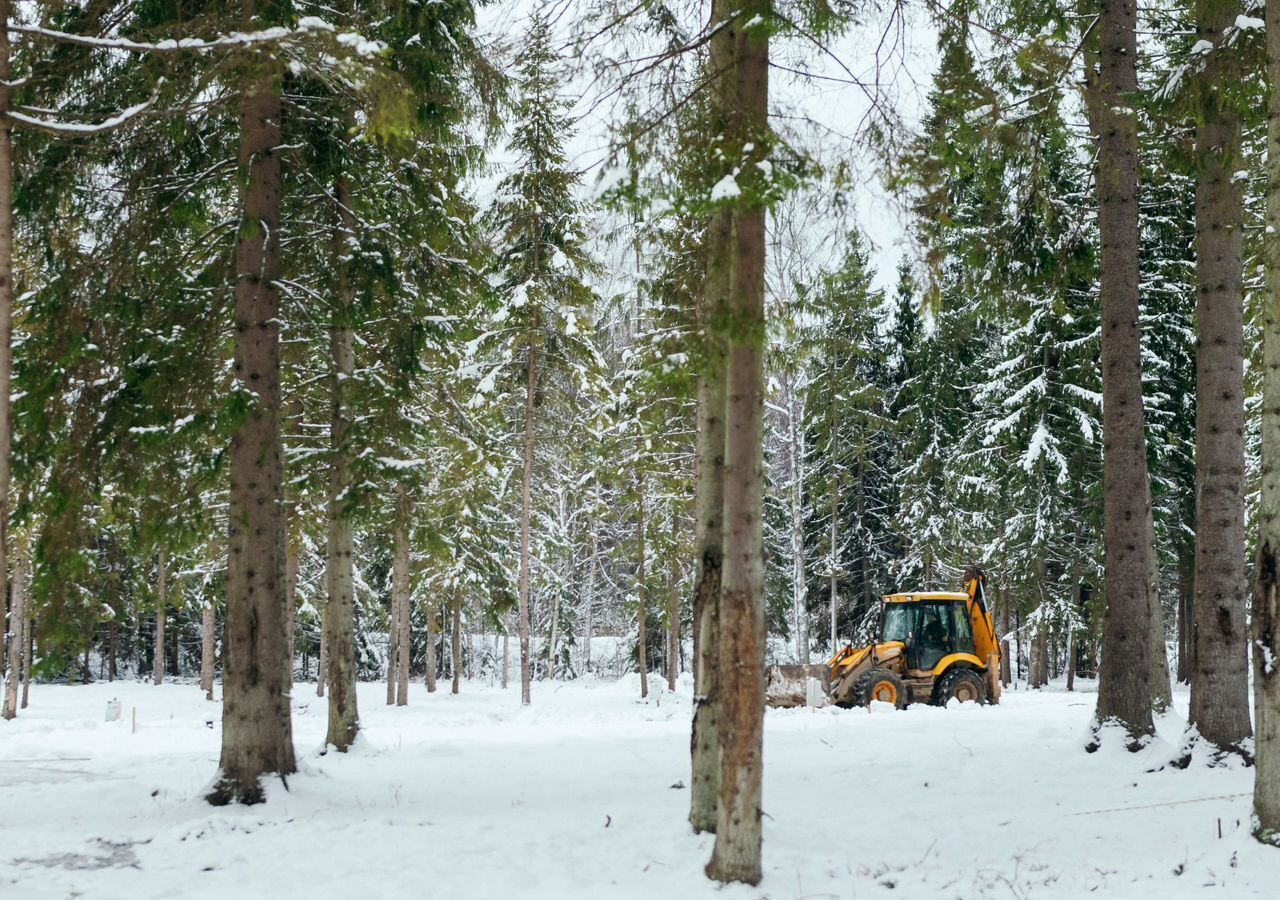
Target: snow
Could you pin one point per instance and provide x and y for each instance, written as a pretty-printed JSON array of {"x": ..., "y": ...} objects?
[
  {"x": 583, "y": 796},
  {"x": 724, "y": 189}
]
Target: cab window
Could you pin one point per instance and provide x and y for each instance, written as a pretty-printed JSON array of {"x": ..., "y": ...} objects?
[{"x": 964, "y": 628}]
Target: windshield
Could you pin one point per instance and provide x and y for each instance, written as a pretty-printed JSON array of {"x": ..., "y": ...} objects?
[{"x": 899, "y": 622}]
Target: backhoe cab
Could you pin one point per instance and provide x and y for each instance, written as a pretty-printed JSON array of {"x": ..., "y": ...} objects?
[{"x": 933, "y": 647}]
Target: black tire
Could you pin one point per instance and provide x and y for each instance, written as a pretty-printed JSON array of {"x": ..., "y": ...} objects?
[
  {"x": 880, "y": 684},
  {"x": 964, "y": 685}
]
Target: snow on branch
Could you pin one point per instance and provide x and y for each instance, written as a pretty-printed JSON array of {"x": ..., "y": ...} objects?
[
  {"x": 306, "y": 25},
  {"x": 79, "y": 129}
]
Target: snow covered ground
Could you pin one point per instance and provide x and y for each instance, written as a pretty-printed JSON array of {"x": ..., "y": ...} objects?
[{"x": 582, "y": 796}]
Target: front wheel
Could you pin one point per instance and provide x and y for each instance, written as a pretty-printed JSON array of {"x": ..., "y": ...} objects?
[
  {"x": 964, "y": 685},
  {"x": 881, "y": 685}
]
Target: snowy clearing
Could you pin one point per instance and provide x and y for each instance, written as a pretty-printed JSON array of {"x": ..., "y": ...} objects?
[{"x": 582, "y": 795}]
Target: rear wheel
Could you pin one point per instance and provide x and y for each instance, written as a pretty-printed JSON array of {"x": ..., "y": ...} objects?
[
  {"x": 964, "y": 685},
  {"x": 881, "y": 685}
]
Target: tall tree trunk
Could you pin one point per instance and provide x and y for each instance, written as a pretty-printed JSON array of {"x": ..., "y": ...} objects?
[
  {"x": 1111, "y": 76},
  {"x": 673, "y": 627},
  {"x": 526, "y": 502},
  {"x": 433, "y": 632},
  {"x": 1266, "y": 596},
  {"x": 28, "y": 640},
  {"x": 400, "y": 592},
  {"x": 835, "y": 562},
  {"x": 18, "y": 660},
  {"x": 457, "y": 637},
  {"x": 709, "y": 481},
  {"x": 340, "y": 610},
  {"x": 1220, "y": 676},
  {"x": 799, "y": 591},
  {"x": 257, "y": 732},
  {"x": 1006, "y": 664},
  {"x": 207, "y": 627},
  {"x": 506, "y": 652},
  {"x": 111, "y": 650},
  {"x": 553, "y": 639},
  {"x": 736, "y": 856},
  {"x": 1186, "y": 610},
  {"x": 291, "y": 565},
  {"x": 642, "y": 637},
  {"x": 393, "y": 643},
  {"x": 322, "y": 659},
  {"x": 6, "y": 330},
  {"x": 590, "y": 597},
  {"x": 157, "y": 659}
]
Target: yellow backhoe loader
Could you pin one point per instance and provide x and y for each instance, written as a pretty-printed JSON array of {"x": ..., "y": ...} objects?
[{"x": 933, "y": 647}]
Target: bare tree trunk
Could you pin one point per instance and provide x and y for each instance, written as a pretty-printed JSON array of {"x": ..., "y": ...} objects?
[
  {"x": 207, "y": 627},
  {"x": 506, "y": 653},
  {"x": 1220, "y": 676},
  {"x": 1111, "y": 76},
  {"x": 673, "y": 627},
  {"x": 457, "y": 637},
  {"x": 18, "y": 660},
  {"x": 433, "y": 632},
  {"x": 339, "y": 621},
  {"x": 393, "y": 644},
  {"x": 553, "y": 639},
  {"x": 1186, "y": 612},
  {"x": 736, "y": 856},
  {"x": 257, "y": 732},
  {"x": 291, "y": 566},
  {"x": 157, "y": 656},
  {"x": 1006, "y": 664},
  {"x": 111, "y": 651},
  {"x": 28, "y": 642},
  {"x": 400, "y": 593},
  {"x": 322, "y": 660},
  {"x": 835, "y": 563},
  {"x": 641, "y": 617},
  {"x": 590, "y": 598},
  {"x": 526, "y": 502},
  {"x": 709, "y": 488},
  {"x": 799, "y": 592},
  {"x": 1266, "y": 588},
  {"x": 6, "y": 333}
]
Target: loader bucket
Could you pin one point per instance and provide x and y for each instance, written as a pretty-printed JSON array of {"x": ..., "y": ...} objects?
[{"x": 785, "y": 686}]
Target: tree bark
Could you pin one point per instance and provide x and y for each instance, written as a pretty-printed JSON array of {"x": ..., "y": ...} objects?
[
  {"x": 835, "y": 564},
  {"x": 736, "y": 856},
  {"x": 18, "y": 659},
  {"x": 157, "y": 658},
  {"x": 111, "y": 650},
  {"x": 642, "y": 637},
  {"x": 1266, "y": 588},
  {"x": 673, "y": 627},
  {"x": 1124, "y": 683},
  {"x": 393, "y": 642},
  {"x": 799, "y": 591},
  {"x": 322, "y": 659},
  {"x": 456, "y": 637},
  {"x": 1220, "y": 676},
  {"x": 28, "y": 642},
  {"x": 526, "y": 502},
  {"x": 709, "y": 478},
  {"x": 291, "y": 566},
  {"x": 7, "y": 239},
  {"x": 433, "y": 631},
  {"x": 207, "y": 627},
  {"x": 590, "y": 598},
  {"x": 1006, "y": 664},
  {"x": 344, "y": 719},
  {"x": 506, "y": 653},
  {"x": 400, "y": 592},
  {"x": 257, "y": 733},
  {"x": 1186, "y": 611}
]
